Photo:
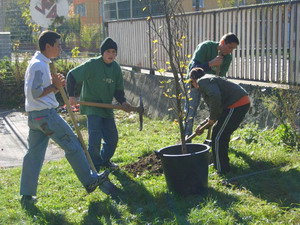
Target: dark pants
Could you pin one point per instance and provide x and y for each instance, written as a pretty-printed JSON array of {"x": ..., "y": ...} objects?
[
  {"x": 102, "y": 131},
  {"x": 228, "y": 122}
]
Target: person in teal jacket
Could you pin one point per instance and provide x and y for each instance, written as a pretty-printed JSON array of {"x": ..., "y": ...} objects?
[
  {"x": 102, "y": 80},
  {"x": 214, "y": 58}
]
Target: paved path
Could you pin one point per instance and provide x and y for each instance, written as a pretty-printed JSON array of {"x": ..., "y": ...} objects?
[{"x": 13, "y": 140}]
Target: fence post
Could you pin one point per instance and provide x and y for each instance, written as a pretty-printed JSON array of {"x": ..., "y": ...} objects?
[
  {"x": 150, "y": 50},
  {"x": 215, "y": 25}
]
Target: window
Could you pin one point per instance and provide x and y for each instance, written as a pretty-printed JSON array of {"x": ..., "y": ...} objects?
[
  {"x": 124, "y": 9},
  {"x": 200, "y": 3},
  {"x": 156, "y": 7},
  {"x": 153, "y": 5},
  {"x": 80, "y": 10},
  {"x": 137, "y": 9},
  {"x": 110, "y": 10}
]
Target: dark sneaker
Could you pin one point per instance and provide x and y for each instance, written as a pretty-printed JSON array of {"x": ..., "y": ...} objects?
[
  {"x": 111, "y": 165},
  {"x": 28, "y": 199},
  {"x": 100, "y": 179}
]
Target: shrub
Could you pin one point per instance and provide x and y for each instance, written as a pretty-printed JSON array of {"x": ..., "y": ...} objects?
[
  {"x": 90, "y": 37},
  {"x": 12, "y": 81},
  {"x": 285, "y": 105}
]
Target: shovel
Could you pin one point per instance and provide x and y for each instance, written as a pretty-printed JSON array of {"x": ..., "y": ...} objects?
[
  {"x": 203, "y": 125},
  {"x": 208, "y": 142},
  {"x": 107, "y": 187}
]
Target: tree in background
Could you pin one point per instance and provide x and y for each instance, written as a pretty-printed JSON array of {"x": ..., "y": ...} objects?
[
  {"x": 69, "y": 29},
  {"x": 16, "y": 22},
  {"x": 226, "y": 3},
  {"x": 91, "y": 37}
]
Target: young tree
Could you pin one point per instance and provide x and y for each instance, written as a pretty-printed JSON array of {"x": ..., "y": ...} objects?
[
  {"x": 17, "y": 23},
  {"x": 172, "y": 36}
]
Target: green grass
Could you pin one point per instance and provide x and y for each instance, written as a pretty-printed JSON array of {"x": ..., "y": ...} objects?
[{"x": 272, "y": 197}]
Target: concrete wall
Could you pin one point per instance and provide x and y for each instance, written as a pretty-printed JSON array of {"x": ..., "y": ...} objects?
[
  {"x": 5, "y": 45},
  {"x": 157, "y": 105}
]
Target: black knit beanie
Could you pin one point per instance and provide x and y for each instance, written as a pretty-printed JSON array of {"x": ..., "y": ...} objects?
[
  {"x": 108, "y": 43},
  {"x": 197, "y": 73}
]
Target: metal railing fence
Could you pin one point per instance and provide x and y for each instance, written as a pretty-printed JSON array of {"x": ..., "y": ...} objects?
[{"x": 269, "y": 36}]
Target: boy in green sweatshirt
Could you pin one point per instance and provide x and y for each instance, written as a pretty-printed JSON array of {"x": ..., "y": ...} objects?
[{"x": 102, "y": 80}]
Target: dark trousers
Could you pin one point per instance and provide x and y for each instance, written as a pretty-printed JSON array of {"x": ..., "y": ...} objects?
[{"x": 228, "y": 122}]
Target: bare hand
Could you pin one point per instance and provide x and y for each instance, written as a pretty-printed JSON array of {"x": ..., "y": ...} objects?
[
  {"x": 73, "y": 101},
  {"x": 58, "y": 80},
  {"x": 194, "y": 83},
  {"x": 199, "y": 130},
  {"x": 216, "y": 61},
  {"x": 127, "y": 107},
  {"x": 211, "y": 122}
]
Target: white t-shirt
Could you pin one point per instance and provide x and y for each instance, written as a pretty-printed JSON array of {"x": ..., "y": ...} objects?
[{"x": 38, "y": 77}]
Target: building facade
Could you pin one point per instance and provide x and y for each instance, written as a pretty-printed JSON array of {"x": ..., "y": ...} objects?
[
  {"x": 88, "y": 10},
  {"x": 95, "y": 11},
  {"x": 126, "y": 9}
]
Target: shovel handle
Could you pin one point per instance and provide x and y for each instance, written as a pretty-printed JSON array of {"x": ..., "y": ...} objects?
[
  {"x": 101, "y": 105},
  {"x": 107, "y": 106},
  {"x": 203, "y": 125},
  {"x": 74, "y": 121}
]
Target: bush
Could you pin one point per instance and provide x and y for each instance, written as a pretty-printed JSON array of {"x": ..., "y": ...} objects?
[
  {"x": 90, "y": 37},
  {"x": 285, "y": 105},
  {"x": 12, "y": 79},
  {"x": 12, "y": 82}
]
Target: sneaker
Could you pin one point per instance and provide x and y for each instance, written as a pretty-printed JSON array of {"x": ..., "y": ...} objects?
[
  {"x": 28, "y": 199},
  {"x": 111, "y": 165},
  {"x": 100, "y": 179}
]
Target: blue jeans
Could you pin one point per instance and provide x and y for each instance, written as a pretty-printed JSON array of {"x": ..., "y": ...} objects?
[
  {"x": 99, "y": 129},
  {"x": 190, "y": 108},
  {"x": 43, "y": 125}
]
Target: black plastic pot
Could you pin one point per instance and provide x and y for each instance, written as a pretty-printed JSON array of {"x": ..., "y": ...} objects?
[{"x": 185, "y": 174}]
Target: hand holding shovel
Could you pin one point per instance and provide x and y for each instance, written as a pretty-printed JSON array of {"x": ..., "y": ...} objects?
[
  {"x": 125, "y": 106},
  {"x": 199, "y": 130}
]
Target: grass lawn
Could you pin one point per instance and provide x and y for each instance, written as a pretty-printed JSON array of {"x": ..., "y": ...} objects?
[{"x": 272, "y": 197}]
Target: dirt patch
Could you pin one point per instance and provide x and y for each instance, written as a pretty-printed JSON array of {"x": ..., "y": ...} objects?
[{"x": 146, "y": 164}]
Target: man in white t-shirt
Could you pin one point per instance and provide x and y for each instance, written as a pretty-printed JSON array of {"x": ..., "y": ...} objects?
[{"x": 44, "y": 122}]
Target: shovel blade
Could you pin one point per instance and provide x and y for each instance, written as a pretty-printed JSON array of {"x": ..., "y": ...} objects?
[{"x": 108, "y": 187}]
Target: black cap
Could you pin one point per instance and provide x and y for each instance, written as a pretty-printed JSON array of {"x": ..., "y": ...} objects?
[{"x": 108, "y": 43}]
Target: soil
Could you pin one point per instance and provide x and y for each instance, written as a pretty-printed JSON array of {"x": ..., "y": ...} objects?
[{"x": 147, "y": 164}]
